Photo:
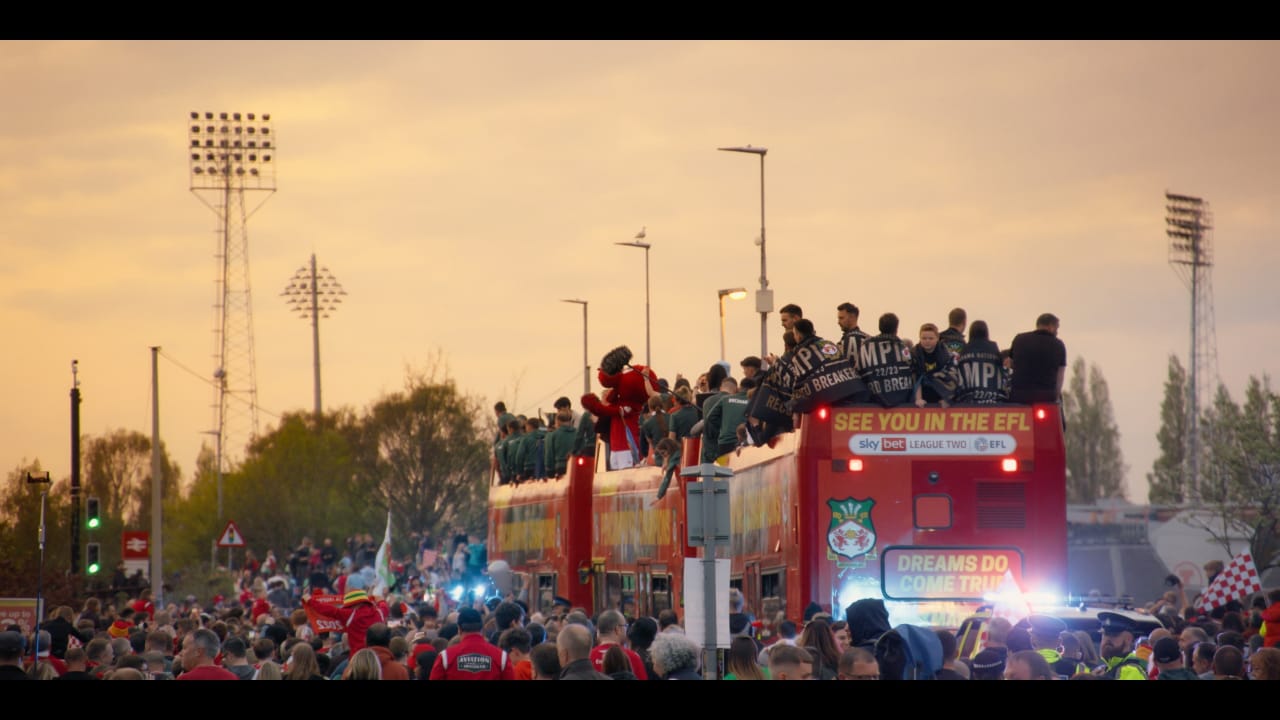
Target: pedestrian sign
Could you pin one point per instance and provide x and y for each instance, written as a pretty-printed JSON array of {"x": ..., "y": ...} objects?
[{"x": 231, "y": 536}]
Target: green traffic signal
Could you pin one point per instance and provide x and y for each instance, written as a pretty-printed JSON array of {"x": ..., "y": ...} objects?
[
  {"x": 93, "y": 512},
  {"x": 93, "y": 557}
]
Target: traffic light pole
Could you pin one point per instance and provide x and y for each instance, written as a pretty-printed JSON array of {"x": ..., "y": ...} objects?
[
  {"x": 75, "y": 469},
  {"x": 157, "y": 480}
]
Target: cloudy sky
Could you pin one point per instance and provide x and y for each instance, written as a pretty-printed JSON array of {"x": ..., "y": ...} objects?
[{"x": 459, "y": 190}]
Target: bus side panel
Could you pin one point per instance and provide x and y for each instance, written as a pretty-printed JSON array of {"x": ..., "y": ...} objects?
[{"x": 633, "y": 531}]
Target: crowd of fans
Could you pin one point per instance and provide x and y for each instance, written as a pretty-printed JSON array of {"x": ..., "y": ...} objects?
[{"x": 496, "y": 637}]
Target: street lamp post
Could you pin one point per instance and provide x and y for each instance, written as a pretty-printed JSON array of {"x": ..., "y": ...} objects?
[
  {"x": 640, "y": 243},
  {"x": 764, "y": 296},
  {"x": 47, "y": 481},
  {"x": 586, "y": 364},
  {"x": 732, "y": 294}
]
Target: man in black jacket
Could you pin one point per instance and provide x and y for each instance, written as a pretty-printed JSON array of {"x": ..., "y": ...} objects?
[{"x": 574, "y": 646}]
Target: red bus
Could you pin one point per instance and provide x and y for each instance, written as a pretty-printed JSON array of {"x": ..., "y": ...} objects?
[{"x": 928, "y": 509}]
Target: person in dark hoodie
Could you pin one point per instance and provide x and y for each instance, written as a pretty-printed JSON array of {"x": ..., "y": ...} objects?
[
  {"x": 980, "y": 370},
  {"x": 868, "y": 620},
  {"x": 934, "y": 369}
]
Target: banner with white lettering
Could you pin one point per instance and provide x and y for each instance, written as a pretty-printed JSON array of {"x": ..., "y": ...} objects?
[{"x": 823, "y": 376}]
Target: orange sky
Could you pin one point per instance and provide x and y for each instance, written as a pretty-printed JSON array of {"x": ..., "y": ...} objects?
[{"x": 458, "y": 190}]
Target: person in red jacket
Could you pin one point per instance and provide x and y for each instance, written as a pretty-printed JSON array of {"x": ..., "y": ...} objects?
[
  {"x": 143, "y": 608},
  {"x": 357, "y": 614},
  {"x": 473, "y": 658},
  {"x": 1271, "y": 620},
  {"x": 378, "y": 639}
]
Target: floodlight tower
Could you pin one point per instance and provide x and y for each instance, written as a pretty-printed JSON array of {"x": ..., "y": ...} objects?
[
  {"x": 1190, "y": 225},
  {"x": 230, "y": 154},
  {"x": 313, "y": 294}
]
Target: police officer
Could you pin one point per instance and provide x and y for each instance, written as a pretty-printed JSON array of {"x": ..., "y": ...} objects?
[
  {"x": 1117, "y": 649},
  {"x": 1045, "y": 630},
  {"x": 473, "y": 657}
]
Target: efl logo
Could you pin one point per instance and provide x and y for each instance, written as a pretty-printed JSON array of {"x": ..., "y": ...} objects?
[{"x": 893, "y": 444}]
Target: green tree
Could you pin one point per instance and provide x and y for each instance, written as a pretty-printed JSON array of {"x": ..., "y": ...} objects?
[
  {"x": 117, "y": 470},
  {"x": 20, "y": 533},
  {"x": 424, "y": 454},
  {"x": 1240, "y": 478},
  {"x": 295, "y": 481},
  {"x": 1095, "y": 464},
  {"x": 1167, "y": 478}
]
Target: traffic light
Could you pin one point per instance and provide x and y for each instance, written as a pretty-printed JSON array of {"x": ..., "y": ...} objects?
[
  {"x": 93, "y": 512},
  {"x": 93, "y": 558}
]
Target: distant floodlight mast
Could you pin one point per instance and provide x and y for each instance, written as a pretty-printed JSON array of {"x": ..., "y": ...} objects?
[
  {"x": 230, "y": 153},
  {"x": 1189, "y": 224},
  {"x": 314, "y": 294}
]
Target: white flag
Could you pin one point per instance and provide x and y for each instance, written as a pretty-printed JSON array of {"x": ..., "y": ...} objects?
[{"x": 382, "y": 564}]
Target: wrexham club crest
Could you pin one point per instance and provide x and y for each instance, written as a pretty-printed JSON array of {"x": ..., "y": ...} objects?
[{"x": 851, "y": 539}]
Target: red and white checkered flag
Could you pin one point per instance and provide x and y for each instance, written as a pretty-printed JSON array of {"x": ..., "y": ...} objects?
[
  {"x": 1238, "y": 580},
  {"x": 73, "y": 642}
]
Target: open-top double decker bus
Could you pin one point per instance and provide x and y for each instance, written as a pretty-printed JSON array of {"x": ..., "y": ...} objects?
[{"x": 930, "y": 509}]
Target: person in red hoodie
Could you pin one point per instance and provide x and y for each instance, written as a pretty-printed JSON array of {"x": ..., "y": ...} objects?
[
  {"x": 1271, "y": 620},
  {"x": 143, "y": 608},
  {"x": 357, "y": 613},
  {"x": 378, "y": 638}
]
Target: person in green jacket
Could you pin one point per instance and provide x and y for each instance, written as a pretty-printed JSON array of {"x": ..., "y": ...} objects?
[
  {"x": 559, "y": 444},
  {"x": 684, "y": 416},
  {"x": 505, "y": 451},
  {"x": 531, "y": 455},
  {"x": 728, "y": 414},
  {"x": 711, "y": 421}
]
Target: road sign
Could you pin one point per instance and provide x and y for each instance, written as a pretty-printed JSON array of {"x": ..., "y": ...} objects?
[
  {"x": 135, "y": 545},
  {"x": 231, "y": 536}
]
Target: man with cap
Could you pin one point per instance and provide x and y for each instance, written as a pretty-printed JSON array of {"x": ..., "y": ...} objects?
[
  {"x": 1045, "y": 630},
  {"x": 560, "y": 606},
  {"x": 987, "y": 665},
  {"x": 11, "y": 656},
  {"x": 1117, "y": 649},
  {"x": 1167, "y": 656},
  {"x": 473, "y": 657},
  {"x": 357, "y": 614}
]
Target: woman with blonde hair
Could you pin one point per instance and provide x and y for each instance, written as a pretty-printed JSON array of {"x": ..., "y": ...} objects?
[
  {"x": 303, "y": 664},
  {"x": 268, "y": 670},
  {"x": 364, "y": 665}
]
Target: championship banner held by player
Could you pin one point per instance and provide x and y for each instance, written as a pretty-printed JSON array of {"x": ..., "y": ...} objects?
[
  {"x": 320, "y": 623},
  {"x": 823, "y": 376}
]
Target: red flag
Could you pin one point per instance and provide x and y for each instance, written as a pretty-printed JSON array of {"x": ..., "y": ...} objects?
[{"x": 1235, "y": 582}]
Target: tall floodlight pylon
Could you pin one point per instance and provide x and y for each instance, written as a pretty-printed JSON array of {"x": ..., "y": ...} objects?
[
  {"x": 1189, "y": 227},
  {"x": 231, "y": 153}
]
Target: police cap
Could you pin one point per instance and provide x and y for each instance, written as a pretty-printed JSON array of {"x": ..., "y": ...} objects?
[
  {"x": 561, "y": 601},
  {"x": 1046, "y": 625},
  {"x": 1115, "y": 623}
]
